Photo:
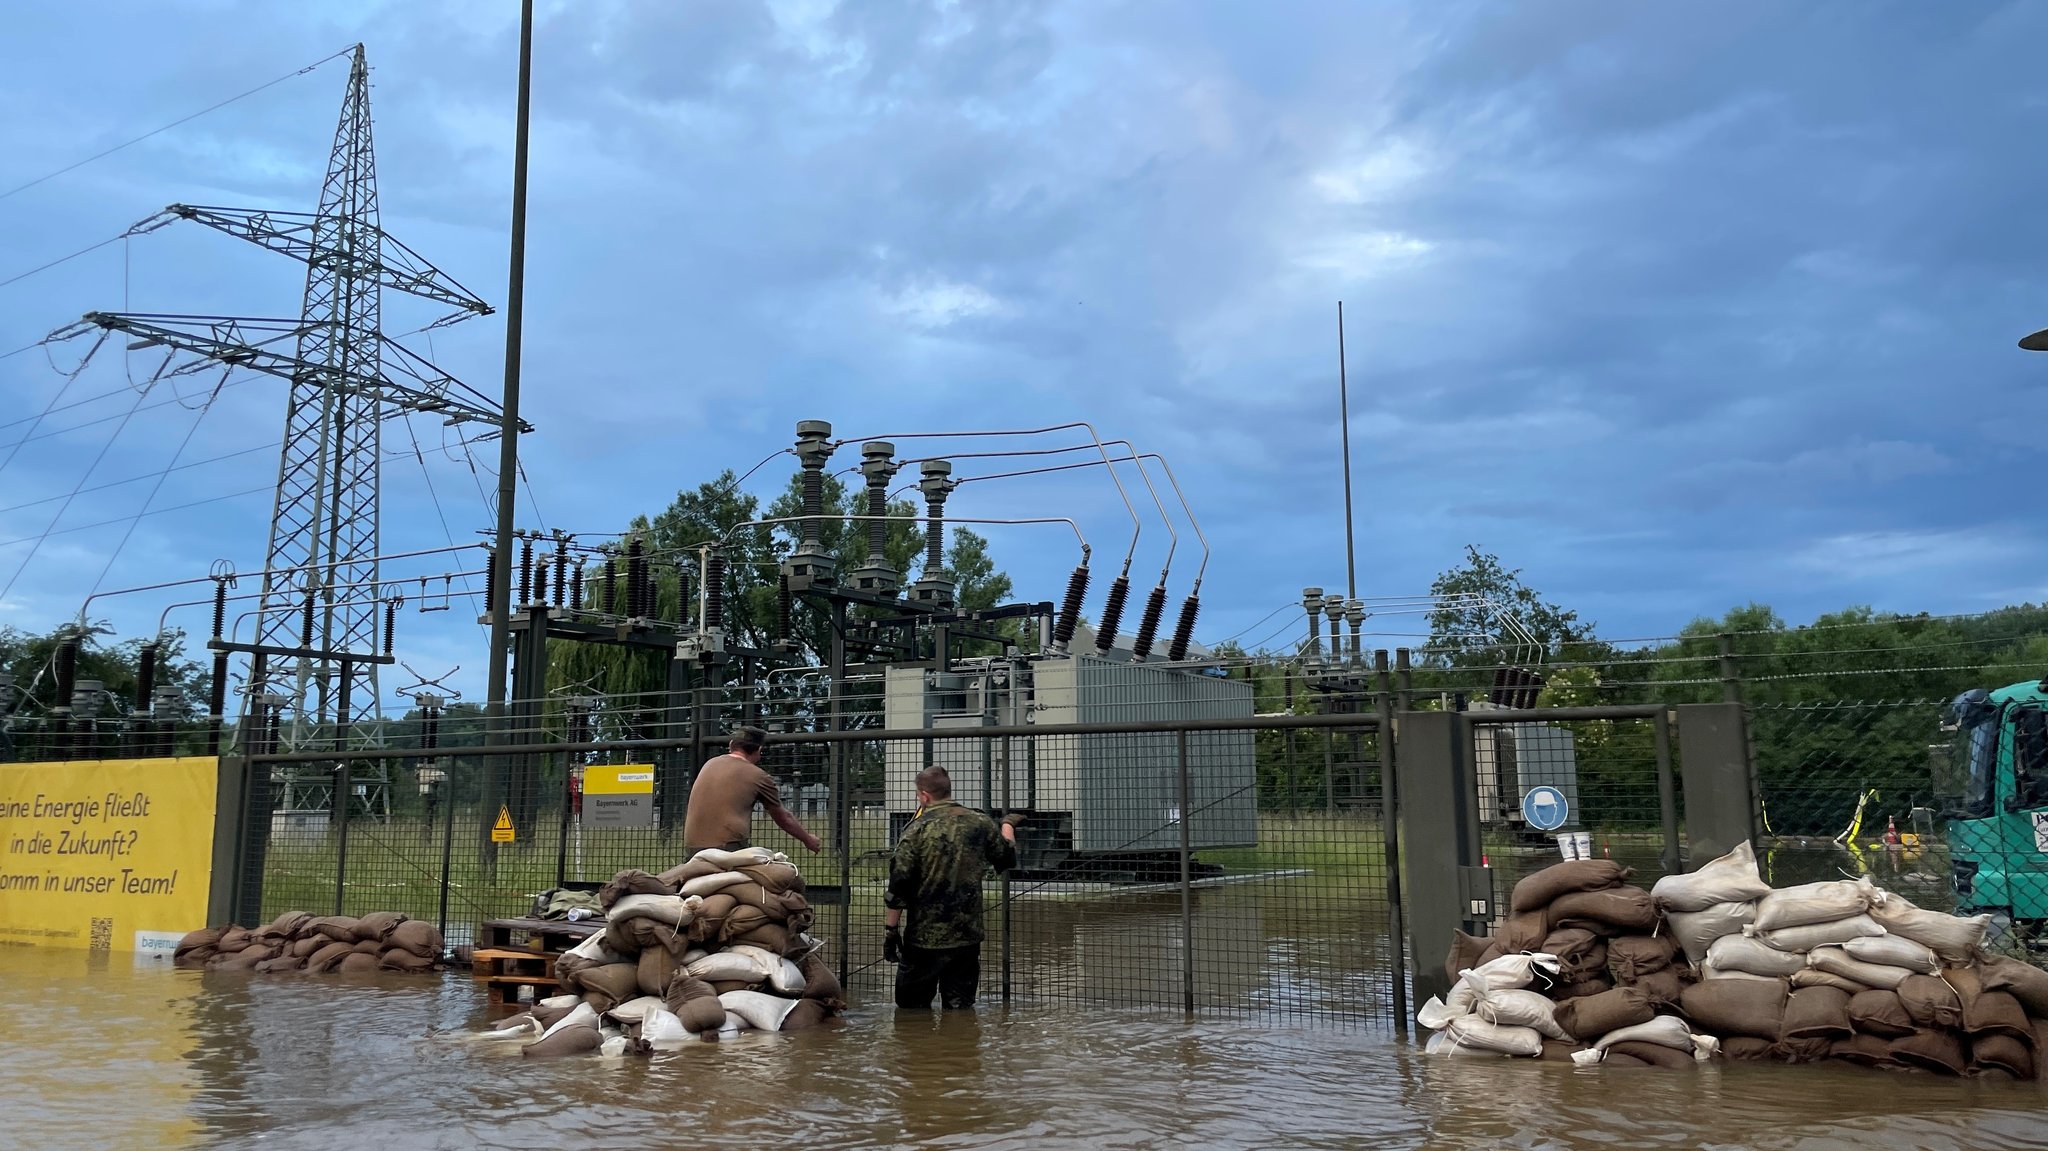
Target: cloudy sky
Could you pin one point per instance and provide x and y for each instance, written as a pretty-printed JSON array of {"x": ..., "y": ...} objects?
[{"x": 1673, "y": 306}]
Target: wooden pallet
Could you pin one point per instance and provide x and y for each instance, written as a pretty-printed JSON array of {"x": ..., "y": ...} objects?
[{"x": 504, "y": 971}]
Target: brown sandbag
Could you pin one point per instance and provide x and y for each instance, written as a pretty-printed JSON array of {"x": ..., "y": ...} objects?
[
  {"x": 770, "y": 937},
  {"x": 1581, "y": 955},
  {"x": 1464, "y": 954},
  {"x": 1863, "y": 1049},
  {"x": 197, "y": 957},
  {"x": 1801, "y": 1050},
  {"x": 600, "y": 1002},
  {"x": 2040, "y": 1047},
  {"x": 305, "y": 948},
  {"x": 209, "y": 938},
  {"x": 340, "y": 928},
  {"x": 695, "y": 867},
  {"x": 821, "y": 983},
  {"x": 280, "y": 964},
  {"x": 631, "y": 881},
  {"x": 356, "y": 963},
  {"x": 1662, "y": 987},
  {"x": 1524, "y": 931},
  {"x": 1930, "y": 1002},
  {"x": 1616, "y": 911},
  {"x": 1880, "y": 1014},
  {"x": 417, "y": 936},
  {"x": 1587, "y": 1019},
  {"x": 399, "y": 959},
  {"x": 808, "y": 1013},
  {"x": 1580, "y": 990},
  {"x": 655, "y": 970},
  {"x": 378, "y": 925},
  {"x": 1559, "y": 1050},
  {"x": 328, "y": 957},
  {"x": 725, "y": 985},
  {"x": 709, "y": 925},
  {"x": 1748, "y": 1049},
  {"x": 777, "y": 876},
  {"x": 567, "y": 1041},
  {"x": 243, "y": 960},
  {"x": 286, "y": 926},
  {"x": 1736, "y": 1006},
  {"x": 619, "y": 981},
  {"x": 1816, "y": 1013},
  {"x": 1618, "y": 1059},
  {"x": 2004, "y": 1052},
  {"x": 1632, "y": 957},
  {"x": 1938, "y": 1051},
  {"x": 368, "y": 947},
  {"x": 639, "y": 933},
  {"x": 234, "y": 939},
  {"x": 548, "y": 1015},
  {"x": 569, "y": 967},
  {"x": 1653, "y": 1054},
  {"x": 1997, "y": 1013},
  {"x": 1813, "y": 977},
  {"x": 1535, "y": 892},
  {"x": 696, "y": 1003},
  {"x": 2026, "y": 982}
]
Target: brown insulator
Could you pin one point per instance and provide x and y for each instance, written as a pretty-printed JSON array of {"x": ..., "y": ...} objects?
[
  {"x": 1184, "y": 631},
  {"x": 1148, "y": 624},
  {"x": 1070, "y": 608},
  {"x": 1112, "y": 613}
]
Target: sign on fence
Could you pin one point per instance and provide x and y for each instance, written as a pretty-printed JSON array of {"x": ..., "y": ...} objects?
[
  {"x": 618, "y": 795},
  {"x": 106, "y": 854},
  {"x": 501, "y": 831}
]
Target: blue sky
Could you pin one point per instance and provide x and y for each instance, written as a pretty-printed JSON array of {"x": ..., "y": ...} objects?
[{"x": 1673, "y": 306}]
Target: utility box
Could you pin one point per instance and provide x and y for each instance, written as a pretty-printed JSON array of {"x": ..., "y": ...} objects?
[{"x": 1088, "y": 794}]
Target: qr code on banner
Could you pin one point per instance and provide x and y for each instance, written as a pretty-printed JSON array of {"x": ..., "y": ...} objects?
[{"x": 102, "y": 934}]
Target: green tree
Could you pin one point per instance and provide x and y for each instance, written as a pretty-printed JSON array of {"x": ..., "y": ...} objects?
[{"x": 1485, "y": 614}]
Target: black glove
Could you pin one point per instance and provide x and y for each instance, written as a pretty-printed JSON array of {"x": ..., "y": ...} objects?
[{"x": 892, "y": 944}]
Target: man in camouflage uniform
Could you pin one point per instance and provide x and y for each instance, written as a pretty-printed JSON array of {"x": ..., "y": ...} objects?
[{"x": 935, "y": 877}]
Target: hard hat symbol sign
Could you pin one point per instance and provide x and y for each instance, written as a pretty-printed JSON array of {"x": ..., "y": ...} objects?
[{"x": 1545, "y": 809}]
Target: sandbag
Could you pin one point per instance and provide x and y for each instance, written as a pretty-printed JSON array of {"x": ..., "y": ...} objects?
[
  {"x": 1472, "y": 1031},
  {"x": 1465, "y": 954},
  {"x": 1894, "y": 951},
  {"x": 806, "y": 1014},
  {"x": 1537, "y": 970},
  {"x": 367, "y": 947},
  {"x": 724, "y": 985},
  {"x": 714, "y": 883},
  {"x": 1580, "y": 990},
  {"x": 634, "y": 1010},
  {"x": 709, "y": 925},
  {"x": 1524, "y": 931},
  {"x": 654, "y": 971},
  {"x": 779, "y": 876},
  {"x": 1812, "y": 978},
  {"x": 1661, "y": 987},
  {"x": 235, "y": 939},
  {"x": 763, "y": 1012},
  {"x": 1518, "y": 1008},
  {"x": 1749, "y": 1049},
  {"x": 631, "y": 881},
  {"x": 340, "y": 928},
  {"x": 1559, "y": 1050},
  {"x": 1717, "y": 973},
  {"x": 1651, "y": 1055},
  {"x": 378, "y": 925},
  {"x": 1836, "y": 961},
  {"x": 554, "y": 1009},
  {"x": 1435, "y": 1014},
  {"x": 281, "y": 964},
  {"x": 356, "y": 963},
  {"x": 1801, "y": 1050},
  {"x": 1622, "y": 1059},
  {"x": 207, "y": 938},
  {"x": 1996, "y": 1013},
  {"x": 1736, "y": 1007},
  {"x": 1880, "y": 1013},
  {"x": 660, "y": 1025},
  {"x": 744, "y": 857},
  {"x": 1589, "y": 1018},
  {"x": 820, "y": 983},
  {"x": 1615, "y": 911},
  {"x": 782, "y": 974},
  {"x": 1822, "y": 902},
  {"x": 1732, "y": 878},
  {"x": 1696, "y": 931},
  {"x": 616, "y": 981},
  {"x": 417, "y": 936},
  {"x": 1930, "y": 1002},
  {"x": 2002, "y": 1052},
  {"x": 399, "y": 959},
  {"x": 633, "y": 936},
  {"x": 197, "y": 957},
  {"x": 1955, "y": 938},
  {"x": 769, "y": 936},
  {"x": 1864, "y": 1050},
  {"x": 695, "y": 1003},
  {"x": 1816, "y": 1013},
  {"x": 325, "y": 959},
  {"x": 1631, "y": 957},
  {"x": 2040, "y": 1050},
  {"x": 287, "y": 925},
  {"x": 304, "y": 948},
  {"x": 1664, "y": 1030},
  {"x": 1938, "y": 1051},
  {"x": 724, "y": 966},
  {"x": 1581, "y": 955},
  {"x": 673, "y": 911},
  {"x": 1742, "y": 953},
  {"x": 2026, "y": 982},
  {"x": 1812, "y": 935},
  {"x": 1537, "y": 891},
  {"x": 573, "y": 1035}
]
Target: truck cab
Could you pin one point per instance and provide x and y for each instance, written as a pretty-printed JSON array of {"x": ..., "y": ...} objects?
[{"x": 1995, "y": 787}]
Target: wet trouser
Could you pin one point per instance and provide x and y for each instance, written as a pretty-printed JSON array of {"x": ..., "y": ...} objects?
[{"x": 953, "y": 972}]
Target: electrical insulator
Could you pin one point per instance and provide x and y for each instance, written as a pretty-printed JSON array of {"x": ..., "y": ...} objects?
[
  {"x": 1148, "y": 624},
  {"x": 490, "y": 581},
  {"x": 306, "y": 620},
  {"x": 714, "y": 593},
  {"x": 783, "y": 626},
  {"x": 1113, "y": 613},
  {"x": 1184, "y": 631},
  {"x": 636, "y": 576},
  {"x": 390, "y": 624},
  {"x": 1070, "y": 608},
  {"x": 145, "y": 675},
  {"x": 576, "y": 588},
  {"x": 540, "y": 584},
  {"x": 525, "y": 571},
  {"x": 561, "y": 569},
  {"x": 67, "y": 669},
  {"x": 611, "y": 585},
  {"x": 220, "y": 607}
]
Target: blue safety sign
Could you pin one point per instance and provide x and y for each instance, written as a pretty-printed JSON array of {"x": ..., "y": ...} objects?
[{"x": 1545, "y": 809}]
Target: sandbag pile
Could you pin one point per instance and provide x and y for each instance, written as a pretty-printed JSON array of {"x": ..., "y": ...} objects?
[
  {"x": 1718, "y": 964},
  {"x": 709, "y": 949},
  {"x": 298, "y": 941}
]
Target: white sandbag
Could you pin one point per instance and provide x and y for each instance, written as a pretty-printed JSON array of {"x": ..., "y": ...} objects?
[
  {"x": 524, "y": 1028},
  {"x": 714, "y": 883},
  {"x": 1472, "y": 1031},
  {"x": 744, "y": 857},
  {"x": 1836, "y": 961},
  {"x": 1732, "y": 878},
  {"x": 1955, "y": 938},
  {"x": 1435, "y": 1014},
  {"x": 583, "y": 1016},
  {"x": 1812, "y": 978},
  {"x": 1461, "y": 998},
  {"x": 1894, "y": 951},
  {"x": 1830, "y": 934},
  {"x": 1515, "y": 1007},
  {"x": 803, "y": 945},
  {"x": 781, "y": 974},
  {"x": 1441, "y": 1044},
  {"x": 1665, "y": 1031},
  {"x": 1512, "y": 971},
  {"x": 594, "y": 950},
  {"x": 660, "y": 1025},
  {"x": 692, "y": 956},
  {"x": 763, "y": 1012},
  {"x": 667, "y": 910},
  {"x": 729, "y": 966},
  {"x": 634, "y": 1010},
  {"x": 1696, "y": 931},
  {"x": 1814, "y": 903},
  {"x": 734, "y": 1025},
  {"x": 1707, "y": 972},
  {"x": 1741, "y": 953}
]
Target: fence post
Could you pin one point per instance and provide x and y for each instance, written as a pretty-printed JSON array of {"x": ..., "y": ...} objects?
[
  {"x": 1719, "y": 809},
  {"x": 1003, "y": 881},
  {"x": 230, "y": 821},
  {"x": 1187, "y": 888},
  {"x": 337, "y": 808},
  {"x": 1452, "y": 892},
  {"x": 447, "y": 841},
  {"x": 1390, "y": 824},
  {"x": 1667, "y": 798}
]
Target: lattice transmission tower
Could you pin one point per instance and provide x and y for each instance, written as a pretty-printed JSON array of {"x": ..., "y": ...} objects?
[{"x": 320, "y": 609}]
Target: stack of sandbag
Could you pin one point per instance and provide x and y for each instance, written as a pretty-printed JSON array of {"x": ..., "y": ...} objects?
[
  {"x": 1729, "y": 967},
  {"x": 709, "y": 949},
  {"x": 298, "y": 941}
]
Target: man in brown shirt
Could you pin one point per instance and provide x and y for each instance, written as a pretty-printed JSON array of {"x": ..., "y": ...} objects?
[{"x": 721, "y": 808}]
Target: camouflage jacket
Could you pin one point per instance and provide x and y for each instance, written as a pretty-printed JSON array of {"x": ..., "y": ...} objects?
[{"x": 935, "y": 874}]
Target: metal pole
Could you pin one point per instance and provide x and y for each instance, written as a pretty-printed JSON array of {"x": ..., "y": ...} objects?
[
  {"x": 842, "y": 794},
  {"x": 1344, "y": 420},
  {"x": 1187, "y": 888},
  {"x": 1390, "y": 822},
  {"x": 338, "y": 812},
  {"x": 500, "y": 596},
  {"x": 447, "y": 843},
  {"x": 1667, "y": 798}
]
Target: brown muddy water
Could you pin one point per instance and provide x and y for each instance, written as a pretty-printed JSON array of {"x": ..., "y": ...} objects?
[{"x": 107, "y": 1054}]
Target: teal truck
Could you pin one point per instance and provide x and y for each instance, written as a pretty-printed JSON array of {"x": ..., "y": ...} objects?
[{"x": 1996, "y": 802}]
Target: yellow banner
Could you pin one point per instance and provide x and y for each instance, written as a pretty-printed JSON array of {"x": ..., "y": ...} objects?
[
  {"x": 106, "y": 854},
  {"x": 618, "y": 779}
]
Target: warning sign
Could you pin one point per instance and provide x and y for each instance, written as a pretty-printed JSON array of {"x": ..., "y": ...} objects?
[
  {"x": 501, "y": 831},
  {"x": 618, "y": 795}
]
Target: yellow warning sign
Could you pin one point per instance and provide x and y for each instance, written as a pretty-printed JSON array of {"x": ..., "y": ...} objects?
[{"x": 501, "y": 831}]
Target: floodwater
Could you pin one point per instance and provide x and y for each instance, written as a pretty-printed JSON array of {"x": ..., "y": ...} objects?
[{"x": 107, "y": 1054}]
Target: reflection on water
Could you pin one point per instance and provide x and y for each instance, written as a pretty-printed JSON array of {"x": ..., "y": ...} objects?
[{"x": 117, "y": 1056}]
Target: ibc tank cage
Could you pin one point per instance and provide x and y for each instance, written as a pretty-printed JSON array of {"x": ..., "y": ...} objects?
[{"x": 1091, "y": 794}]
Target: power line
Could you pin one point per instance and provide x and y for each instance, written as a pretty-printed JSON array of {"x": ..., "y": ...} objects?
[
  {"x": 125, "y": 519},
  {"x": 66, "y": 506},
  {"x": 157, "y": 487},
  {"x": 179, "y": 400},
  {"x": 175, "y": 123},
  {"x": 144, "y": 476}
]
